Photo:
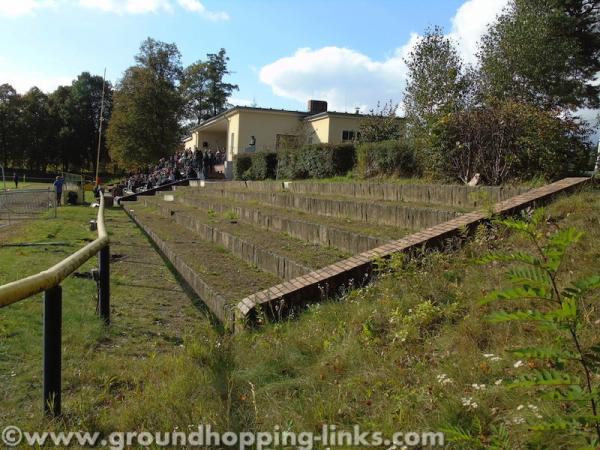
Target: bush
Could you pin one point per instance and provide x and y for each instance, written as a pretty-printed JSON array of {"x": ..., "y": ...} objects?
[
  {"x": 255, "y": 166},
  {"x": 316, "y": 161},
  {"x": 386, "y": 158},
  {"x": 509, "y": 141},
  {"x": 241, "y": 164}
]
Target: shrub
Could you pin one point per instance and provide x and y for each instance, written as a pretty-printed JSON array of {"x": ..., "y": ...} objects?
[
  {"x": 241, "y": 164},
  {"x": 255, "y": 166},
  {"x": 508, "y": 141},
  {"x": 386, "y": 158},
  {"x": 316, "y": 161}
]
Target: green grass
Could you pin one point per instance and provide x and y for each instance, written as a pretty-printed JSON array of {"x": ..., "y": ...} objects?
[
  {"x": 25, "y": 185},
  {"x": 371, "y": 357}
]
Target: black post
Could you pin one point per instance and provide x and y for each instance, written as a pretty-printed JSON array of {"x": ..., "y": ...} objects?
[
  {"x": 52, "y": 349},
  {"x": 104, "y": 284}
]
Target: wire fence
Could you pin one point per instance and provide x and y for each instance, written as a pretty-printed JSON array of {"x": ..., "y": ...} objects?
[{"x": 25, "y": 204}]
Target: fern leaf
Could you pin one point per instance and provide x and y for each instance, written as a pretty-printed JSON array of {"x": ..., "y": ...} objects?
[
  {"x": 455, "y": 433},
  {"x": 579, "y": 288},
  {"x": 550, "y": 319},
  {"x": 545, "y": 378},
  {"x": 558, "y": 244},
  {"x": 570, "y": 393},
  {"x": 516, "y": 293},
  {"x": 543, "y": 353},
  {"x": 557, "y": 424},
  {"x": 521, "y": 257},
  {"x": 529, "y": 276}
]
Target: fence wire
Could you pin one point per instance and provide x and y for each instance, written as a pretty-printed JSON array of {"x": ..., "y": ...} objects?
[{"x": 25, "y": 203}]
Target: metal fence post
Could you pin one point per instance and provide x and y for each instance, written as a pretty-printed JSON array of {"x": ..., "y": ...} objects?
[
  {"x": 104, "y": 284},
  {"x": 52, "y": 349}
]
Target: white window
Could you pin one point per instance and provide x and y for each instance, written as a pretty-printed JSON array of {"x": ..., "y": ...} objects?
[{"x": 350, "y": 136}]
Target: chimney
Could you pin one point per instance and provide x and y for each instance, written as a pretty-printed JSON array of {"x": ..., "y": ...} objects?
[{"x": 317, "y": 106}]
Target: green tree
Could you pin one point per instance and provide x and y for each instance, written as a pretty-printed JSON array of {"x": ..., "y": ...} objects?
[
  {"x": 437, "y": 82},
  {"x": 148, "y": 107},
  {"x": 381, "y": 124},
  {"x": 38, "y": 131},
  {"x": 218, "y": 90},
  {"x": 195, "y": 91},
  {"x": 86, "y": 99},
  {"x": 9, "y": 122},
  {"x": 66, "y": 153},
  {"x": 544, "y": 52}
]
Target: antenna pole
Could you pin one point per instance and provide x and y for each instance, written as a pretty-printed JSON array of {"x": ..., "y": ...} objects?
[{"x": 97, "y": 182}]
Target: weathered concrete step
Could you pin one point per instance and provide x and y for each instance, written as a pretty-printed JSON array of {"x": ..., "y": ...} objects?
[
  {"x": 358, "y": 269},
  {"x": 461, "y": 196},
  {"x": 306, "y": 230},
  {"x": 377, "y": 231},
  {"x": 218, "y": 278},
  {"x": 385, "y": 213},
  {"x": 276, "y": 253}
]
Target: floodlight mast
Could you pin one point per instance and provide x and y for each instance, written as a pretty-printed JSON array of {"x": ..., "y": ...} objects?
[{"x": 97, "y": 181}]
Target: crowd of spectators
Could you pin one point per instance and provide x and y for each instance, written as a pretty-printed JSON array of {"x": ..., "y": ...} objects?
[{"x": 187, "y": 164}]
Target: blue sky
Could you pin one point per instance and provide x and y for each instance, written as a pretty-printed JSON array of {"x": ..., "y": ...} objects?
[{"x": 283, "y": 52}]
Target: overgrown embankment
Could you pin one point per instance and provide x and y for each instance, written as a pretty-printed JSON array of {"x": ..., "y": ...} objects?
[{"x": 411, "y": 351}]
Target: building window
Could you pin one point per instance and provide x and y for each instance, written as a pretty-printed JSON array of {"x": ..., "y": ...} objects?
[{"x": 350, "y": 136}]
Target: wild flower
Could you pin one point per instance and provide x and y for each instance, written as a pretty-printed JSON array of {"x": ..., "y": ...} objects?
[
  {"x": 469, "y": 403},
  {"x": 444, "y": 379},
  {"x": 518, "y": 364},
  {"x": 518, "y": 420},
  {"x": 498, "y": 382},
  {"x": 478, "y": 387}
]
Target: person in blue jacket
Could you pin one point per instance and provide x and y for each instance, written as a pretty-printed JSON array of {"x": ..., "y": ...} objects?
[{"x": 58, "y": 188}]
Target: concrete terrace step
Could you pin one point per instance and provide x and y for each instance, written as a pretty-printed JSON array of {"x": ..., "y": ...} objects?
[
  {"x": 277, "y": 253},
  {"x": 382, "y": 213},
  {"x": 460, "y": 196},
  {"x": 342, "y": 234},
  {"x": 219, "y": 278},
  {"x": 377, "y": 231}
]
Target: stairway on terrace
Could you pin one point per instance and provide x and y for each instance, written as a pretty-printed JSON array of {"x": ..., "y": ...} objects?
[{"x": 231, "y": 239}]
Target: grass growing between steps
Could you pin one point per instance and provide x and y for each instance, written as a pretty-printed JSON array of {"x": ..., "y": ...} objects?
[{"x": 410, "y": 352}]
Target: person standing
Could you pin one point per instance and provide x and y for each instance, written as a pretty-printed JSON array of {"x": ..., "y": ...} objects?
[
  {"x": 58, "y": 187},
  {"x": 205, "y": 164},
  {"x": 16, "y": 180}
]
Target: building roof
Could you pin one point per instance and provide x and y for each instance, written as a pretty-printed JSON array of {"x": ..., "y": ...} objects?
[{"x": 303, "y": 114}]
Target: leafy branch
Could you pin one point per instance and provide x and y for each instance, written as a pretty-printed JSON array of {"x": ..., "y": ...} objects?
[{"x": 557, "y": 306}]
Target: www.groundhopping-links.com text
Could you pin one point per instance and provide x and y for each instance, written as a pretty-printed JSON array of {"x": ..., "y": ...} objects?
[{"x": 204, "y": 436}]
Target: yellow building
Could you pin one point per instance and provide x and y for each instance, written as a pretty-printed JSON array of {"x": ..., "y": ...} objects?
[{"x": 247, "y": 129}]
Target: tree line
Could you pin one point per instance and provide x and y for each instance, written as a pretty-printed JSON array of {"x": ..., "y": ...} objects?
[
  {"x": 145, "y": 115},
  {"x": 511, "y": 115}
]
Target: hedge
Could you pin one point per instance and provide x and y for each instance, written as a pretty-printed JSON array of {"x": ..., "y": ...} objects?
[
  {"x": 255, "y": 166},
  {"x": 309, "y": 161},
  {"x": 386, "y": 158},
  {"x": 316, "y": 161}
]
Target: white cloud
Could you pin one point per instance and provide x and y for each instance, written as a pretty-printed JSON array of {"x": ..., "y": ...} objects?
[
  {"x": 470, "y": 23},
  {"x": 197, "y": 7},
  {"x": 344, "y": 77},
  {"x": 235, "y": 101},
  {"x": 22, "y": 82},
  {"x": 18, "y": 8},
  {"x": 347, "y": 78},
  {"x": 128, "y": 6}
]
